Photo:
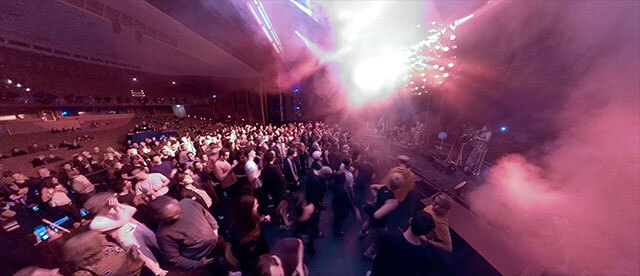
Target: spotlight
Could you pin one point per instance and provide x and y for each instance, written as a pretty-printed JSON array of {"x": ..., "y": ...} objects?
[
  {"x": 18, "y": 85},
  {"x": 214, "y": 96},
  {"x": 503, "y": 129},
  {"x": 134, "y": 79},
  {"x": 27, "y": 89},
  {"x": 173, "y": 82},
  {"x": 452, "y": 37},
  {"x": 436, "y": 66},
  {"x": 451, "y": 64},
  {"x": 9, "y": 81},
  {"x": 441, "y": 68},
  {"x": 445, "y": 75},
  {"x": 228, "y": 116}
]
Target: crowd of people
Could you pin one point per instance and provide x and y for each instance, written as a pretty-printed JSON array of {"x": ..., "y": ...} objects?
[{"x": 200, "y": 201}]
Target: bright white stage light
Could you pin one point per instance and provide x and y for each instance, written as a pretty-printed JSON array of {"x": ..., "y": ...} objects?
[
  {"x": 372, "y": 74},
  {"x": 451, "y": 64}
]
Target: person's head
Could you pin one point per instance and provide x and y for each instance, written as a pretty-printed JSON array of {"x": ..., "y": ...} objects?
[
  {"x": 325, "y": 172},
  {"x": 184, "y": 179},
  {"x": 441, "y": 204},
  {"x": 421, "y": 223},
  {"x": 224, "y": 154},
  {"x": 99, "y": 203},
  {"x": 18, "y": 177},
  {"x": 245, "y": 218},
  {"x": 44, "y": 172},
  {"x": 156, "y": 159},
  {"x": 138, "y": 173},
  {"x": 197, "y": 166},
  {"x": 316, "y": 155},
  {"x": 270, "y": 265},
  {"x": 122, "y": 185},
  {"x": 16, "y": 149},
  {"x": 403, "y": 161},
  {"x": 395, "y": 181},
  {"x": 191, "y": 156},
  {"x": 346, "y": 162},
  {"x": 84, "y": 248},
  {"x": 166, "y": 208},
  {"x": 269, "y": 157},
  {"x": 96, "y": 150},
  {"x": 109, "y": 156},
  {"x": 66, "y": 166},
  {"x": 250, "y": 153},
  {"x": 37, "y": 271},
  {"x": 291, "y": 152}
]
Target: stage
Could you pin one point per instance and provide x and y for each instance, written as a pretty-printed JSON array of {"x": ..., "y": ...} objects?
[{"x": 500, "y": 250}]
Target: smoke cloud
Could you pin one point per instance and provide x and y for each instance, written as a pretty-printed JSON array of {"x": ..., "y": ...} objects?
[{"x": 575, "y": 204}]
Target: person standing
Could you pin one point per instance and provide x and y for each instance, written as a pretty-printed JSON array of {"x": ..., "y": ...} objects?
[
  {"x": 272, "y": 178},
  {"x": 476, "y": 158},
  {"x": 188, "y": 234},
  {"x": 385, "y": 203},
  {"x": 224, "y": 172},
  {"x": 403, "y": 254},
  {"x": 290, "y": 169},
  {"x": 341, "y": 203},
  {"x": 409, "y": 181},
  {"x": 152, "y": 185},
  {"x": 247, "y": 239}
]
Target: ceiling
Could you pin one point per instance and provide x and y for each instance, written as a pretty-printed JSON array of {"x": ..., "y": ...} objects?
[{"x": 137, "y": 33}]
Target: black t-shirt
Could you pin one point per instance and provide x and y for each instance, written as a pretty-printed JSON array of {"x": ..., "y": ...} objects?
[
  {"x": 287, "y": 250},
  {"x": 383, "y": 195},
  {"x": 314, "y": 187},
  {"x": 365, "y": 171},
  {"x": 396, "y": 256},
  {"x": 165, "y": 168}
]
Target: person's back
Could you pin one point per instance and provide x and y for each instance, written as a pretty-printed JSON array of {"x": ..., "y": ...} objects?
[
  {"x": 402, "y": 253},
  {"x": 187, "y": 235}
]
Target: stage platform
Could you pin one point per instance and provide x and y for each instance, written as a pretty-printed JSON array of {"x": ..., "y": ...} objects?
[{"x": 501, "y": 251}]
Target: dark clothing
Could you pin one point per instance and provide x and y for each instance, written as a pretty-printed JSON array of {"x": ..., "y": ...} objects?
[
  {"x": 362, "y": 183},
  {"x": 290, "y": 170},
  {"x": 189, "y": 194},
  {"x": 314, "y": 189},
  {"x": 316, "y": 166},
  {"x": 273, "y": 182},
  {"x": 247, "y": 253},
  {"x": 287, "y": 250},
  {"x": 126, "y": 199},
  {"x": 383, "y": 195},
  {"x": 396, "y": 256},
  {"x": 341, "y": 205},
  {"x": 165, "y": 168},
  {"x": 189, "y": 239}
]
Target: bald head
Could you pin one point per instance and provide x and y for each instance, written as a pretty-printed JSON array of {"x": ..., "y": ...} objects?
[{"x": 166, "y": 208}]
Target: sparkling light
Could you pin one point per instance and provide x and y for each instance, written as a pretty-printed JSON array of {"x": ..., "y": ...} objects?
[
  {"x": 445, "y": 75},
  {"x": 450, "y": 65},
  {"x": 452, "y": 37}
]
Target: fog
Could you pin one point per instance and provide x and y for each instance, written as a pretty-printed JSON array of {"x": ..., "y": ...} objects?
[{"x": 575, "y": 203}]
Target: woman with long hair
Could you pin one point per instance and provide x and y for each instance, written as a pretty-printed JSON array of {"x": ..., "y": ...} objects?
[{"x": 247, "y": 240}]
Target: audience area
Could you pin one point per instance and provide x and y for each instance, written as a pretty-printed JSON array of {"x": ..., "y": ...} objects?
[{"x": 207, "y": 201}]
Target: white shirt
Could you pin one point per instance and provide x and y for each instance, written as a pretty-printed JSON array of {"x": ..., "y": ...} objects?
[
  {"x": 252, "y": 172},
  {"x": 153, "y": 185}
]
